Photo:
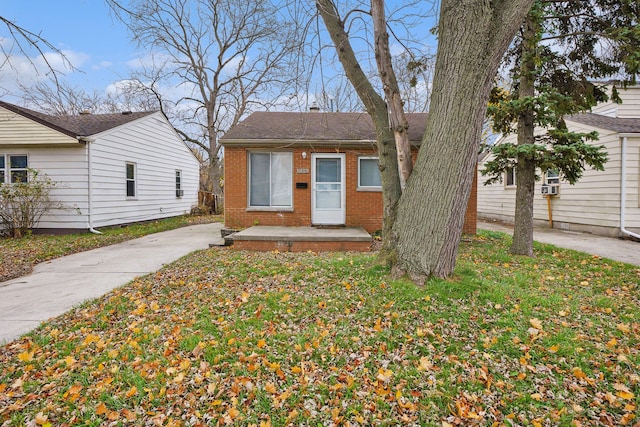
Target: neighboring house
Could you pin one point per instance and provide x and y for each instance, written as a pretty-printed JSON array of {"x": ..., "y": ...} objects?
[
  {"x": 601, "y": 202},
  {"x": 311, "y": 168},
  {"x": 109, "y": 169}
]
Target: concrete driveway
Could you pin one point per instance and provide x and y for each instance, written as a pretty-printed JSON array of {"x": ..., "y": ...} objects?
[
  {"x": 56, "y": 286},
  {"x": 621, "y": 250}
]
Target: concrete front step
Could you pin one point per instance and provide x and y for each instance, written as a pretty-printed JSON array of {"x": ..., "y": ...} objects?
[{"x": 300, "y": 239}]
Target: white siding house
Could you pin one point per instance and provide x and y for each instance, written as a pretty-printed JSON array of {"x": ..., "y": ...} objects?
[
  {"x": 601, "y": 202},
  {"x": 109, "y": 169}
]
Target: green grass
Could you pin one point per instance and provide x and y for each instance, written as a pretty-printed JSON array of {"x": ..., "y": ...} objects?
[
  {"x": 238, "y": 338},
  {"x": 18, "y": 256}
]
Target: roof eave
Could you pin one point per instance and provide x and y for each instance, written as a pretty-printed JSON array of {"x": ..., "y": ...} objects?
[
  {"x": 240, "y": 142},
  {"x": 39, "y": 120}
]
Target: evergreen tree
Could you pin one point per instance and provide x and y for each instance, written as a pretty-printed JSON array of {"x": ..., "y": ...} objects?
[{"x": 562, "y": 48}]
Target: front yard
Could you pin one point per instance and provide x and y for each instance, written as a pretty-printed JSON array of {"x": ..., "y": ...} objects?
[
  {"x": 237, "y": 338},
  {"x": 18, "y": 256}
]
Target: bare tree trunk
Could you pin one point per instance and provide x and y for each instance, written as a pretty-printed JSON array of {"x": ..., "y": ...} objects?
[
  {"x": 377, "y": 109},
  {"x": 526, "y": 167},
  {"x": 473, "y": 36},
  {"x": 397, "y": 119}
]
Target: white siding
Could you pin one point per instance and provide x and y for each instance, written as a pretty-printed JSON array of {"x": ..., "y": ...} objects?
[
  {"x": 630, "y": 106},
  {"x": 155, "y": 148},
  {"x": 18, "y": 130},
  {"x": 67, "y": 167},
  {"x": 593, "y": 203}
]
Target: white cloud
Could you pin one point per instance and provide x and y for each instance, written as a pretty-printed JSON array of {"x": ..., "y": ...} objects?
[{"x": 27, "y": 70}]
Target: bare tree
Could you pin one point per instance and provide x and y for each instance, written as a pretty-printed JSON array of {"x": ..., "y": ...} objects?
[
  {"x": 473, "y": 36},
  {"x": 225, "y": 56},
  {"x": 415, "y": 75},
  {"x": 395, "y": 104},
  {"x": 23, "y": 41},
  {"x": 377, "y": 108},
  {"x": 60, "y": 99}
]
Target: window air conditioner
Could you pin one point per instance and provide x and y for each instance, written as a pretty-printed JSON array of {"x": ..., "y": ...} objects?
[{"x": 550, "y": 189}]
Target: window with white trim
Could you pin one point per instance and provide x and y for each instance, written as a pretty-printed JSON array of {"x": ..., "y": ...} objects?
[
  {"x": 552, "y": 177},
  {"x": 131, "y": 179},
  {"x": 510, "y": 177},
  {"x": 271, "y": 180},
  {"x": 179, "y": 191},
  {"x": 14, "y": 168},
  {"x": 368, "y": 173}
]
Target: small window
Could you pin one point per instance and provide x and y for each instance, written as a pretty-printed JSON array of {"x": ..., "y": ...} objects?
[
  {"x": 179, "y": 191},
  {"x": 18, "y": 168},
  {"x": 368, "y": 173},
  {"x": 270, "y": 180},
  {"x": 2, "y": 170},
  {"x": 552, "y": 177},
  {"x": 510, "y": 177},
  {"x": 131, "y": 180}
]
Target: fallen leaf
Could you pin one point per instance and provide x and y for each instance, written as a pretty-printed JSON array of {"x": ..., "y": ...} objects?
[{"x": 536, "y": 323}]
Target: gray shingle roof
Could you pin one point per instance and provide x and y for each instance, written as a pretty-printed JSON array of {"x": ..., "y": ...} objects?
[
  {"x": 80, "y": 125},
  {"x": 616, "y": 124},
  {"x": 315, "y": 127}
]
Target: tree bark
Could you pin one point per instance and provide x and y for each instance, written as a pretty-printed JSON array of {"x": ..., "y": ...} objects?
[
  {"x": 397, "y": 119},
  {"x": 522, "y": 243},
  {"x": 377, "y": 109},
  {"x": 473, "y": 36}
]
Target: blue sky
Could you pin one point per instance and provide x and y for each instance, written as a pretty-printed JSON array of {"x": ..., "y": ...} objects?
[
  {"x": 84, "y": 30},
  {"x": 97, "y": 44}
]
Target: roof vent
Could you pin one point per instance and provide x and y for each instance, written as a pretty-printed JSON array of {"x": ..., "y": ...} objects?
[
  {"x": 314, "y": 107},
  {"x": 126, "y": 113},
  {"x": 85, "y": 113}
]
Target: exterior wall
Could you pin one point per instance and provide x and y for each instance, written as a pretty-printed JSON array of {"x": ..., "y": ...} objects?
[
  {"x": 591, "y": 205},
  {"x": 628, "y": 108},
  {"x": 363, "y": 208},
  {"x": 67, "y": 167},
  {"x": 18, "y": 130},
  {"x": 157, "y": 151}
]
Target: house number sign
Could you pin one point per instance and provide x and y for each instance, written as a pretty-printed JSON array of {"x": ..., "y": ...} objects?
[{"x": 302, "y": 170}]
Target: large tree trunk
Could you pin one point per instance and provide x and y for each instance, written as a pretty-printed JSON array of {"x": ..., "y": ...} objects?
[
  {"x": 526, "y": 167},
  {"x": 377, "y": 109},
  {"x": 397, "y": 119},
  {"x": 472, "y": 38}
]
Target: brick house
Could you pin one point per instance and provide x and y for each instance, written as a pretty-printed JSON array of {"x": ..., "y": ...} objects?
[{"x": 311, "y": 168}]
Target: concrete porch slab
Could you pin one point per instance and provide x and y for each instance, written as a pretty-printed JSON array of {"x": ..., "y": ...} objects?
[{"x": 294, "y": 239}]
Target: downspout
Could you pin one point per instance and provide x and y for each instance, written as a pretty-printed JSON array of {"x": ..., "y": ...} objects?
[
  {"x": 623, "y": 187},
  {"x": 88, "y": 142}
]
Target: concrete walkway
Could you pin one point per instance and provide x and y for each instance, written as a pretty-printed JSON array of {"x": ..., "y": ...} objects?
[
  {"x": 607, "y": 247},
  {"x": 56, "y": 286}
]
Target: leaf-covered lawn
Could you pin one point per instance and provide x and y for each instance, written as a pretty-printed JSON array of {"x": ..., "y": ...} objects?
[
  {"x": 18, "y": 256},
  {"x": 238, "y": 338}
]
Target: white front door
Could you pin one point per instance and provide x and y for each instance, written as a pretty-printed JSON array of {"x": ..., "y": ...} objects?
[{"x": 327, "y": 191}]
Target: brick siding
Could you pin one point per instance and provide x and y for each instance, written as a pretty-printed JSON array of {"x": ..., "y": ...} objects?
[{"x": 363, "y": 208}]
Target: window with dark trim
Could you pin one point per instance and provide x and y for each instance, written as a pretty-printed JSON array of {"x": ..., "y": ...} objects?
[
  {"x": 2, "y": 169},
  {"x": 510, "y": 177},
  {"x": 131, "y": 179},
  {"x": 179, "y": 190}
]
